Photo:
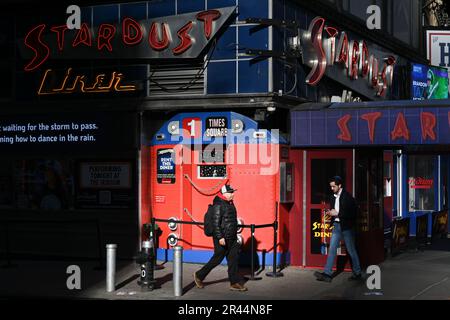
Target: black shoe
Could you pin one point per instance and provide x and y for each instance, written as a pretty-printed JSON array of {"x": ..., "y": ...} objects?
[
  {"x": 355, "y": 277},
  {"x": 321, "y": 276}
]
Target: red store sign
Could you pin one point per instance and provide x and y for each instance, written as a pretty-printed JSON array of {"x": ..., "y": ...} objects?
[
  {"x": 420, "y": 183},
  {"x": 326, "y": 47},
  {"x": 388, "y": 126},
  {"x": 179, "y": 36}
]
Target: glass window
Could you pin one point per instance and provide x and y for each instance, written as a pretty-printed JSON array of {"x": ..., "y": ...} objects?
[
  {"x": 321, "y": 171},
  {"x": 43, "y": 184},
  {"x": 402, "y": 20},
  {"x": 421, "y": 184},
  {"x": 358, "y": 8}
]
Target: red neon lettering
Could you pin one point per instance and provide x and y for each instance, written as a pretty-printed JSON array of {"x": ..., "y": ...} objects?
[
  {"x": 105, "y": 33},
  {"x": 400, "y": 128},
  {"x": 60, "y": 30},
  {"x": 83, "y": 36},
  {"x": 185, "y": 38},
  {"x": 364, "y": 59},
  {"x": 374, "y": 75},
  {"x": 345, "y": 134},
  {"x": 154, "y": 39},
  {"x": 208, "y": 17},
  {"x": 318, "y": 69},
  {"x": 428, "y": 122},
  {"x": 353, "y": 61},
  {"x": 128, "y": 26},
  {"x": 343, "y": 49},
  {"x": 371, "y": 119},
  {"x": 331, "y": 31},
  {"x": 330, "y": 45},
  {"x": 34, "y": 42},
  {"x": 385, "y": 78}
]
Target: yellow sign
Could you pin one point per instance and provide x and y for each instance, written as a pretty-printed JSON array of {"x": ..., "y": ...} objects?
[
  {"x": 323, "y": 230},
  {"x": 77, "y": 83}
]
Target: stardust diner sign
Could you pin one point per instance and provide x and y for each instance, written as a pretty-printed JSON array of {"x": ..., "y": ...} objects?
[
  {"x": 172, "y": 37},
  {"x": 399, "y": 126},
  {"x": 325, "y": 47}
]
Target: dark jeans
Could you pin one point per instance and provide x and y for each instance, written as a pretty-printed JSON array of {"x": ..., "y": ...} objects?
[
  {"x": 349, "y": 239},
  {"x": 231, "y": 251}
]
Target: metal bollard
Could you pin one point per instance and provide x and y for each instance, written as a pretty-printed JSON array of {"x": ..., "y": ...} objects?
[
  {"x": 178, "y": 271},
  {"x": 111, "y": 267}
]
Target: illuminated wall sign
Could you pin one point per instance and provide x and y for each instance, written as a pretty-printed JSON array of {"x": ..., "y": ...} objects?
[
  {"x": 179, "y": 36},
  {"x": 428, "y": 82},
  {"x": 78, "y": 83},
  {"x": 438, "y": 48},
  {"x": 420, "y": 183},
  {"x": 105, "y": 175},
  {"x": 67, "y": 132},
  {"x": 326, "y": 47},
  {"x": 371, "y": 127}
]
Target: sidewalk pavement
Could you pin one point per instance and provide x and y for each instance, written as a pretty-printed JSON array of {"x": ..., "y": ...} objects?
[{"x": 410, "y": 275}]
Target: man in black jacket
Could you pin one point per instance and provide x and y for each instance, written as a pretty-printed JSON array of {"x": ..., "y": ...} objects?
[
  {"x": 225, "y": 240},
  {"x": 343, "y": 213}
]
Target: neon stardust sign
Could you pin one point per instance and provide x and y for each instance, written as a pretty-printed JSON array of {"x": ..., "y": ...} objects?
[
  {"x": 354, "y": 56},
  {"x": 179, "y": 36}
]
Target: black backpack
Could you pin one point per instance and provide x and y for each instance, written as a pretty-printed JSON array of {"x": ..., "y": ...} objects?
[{"x": 208, "y": 221}]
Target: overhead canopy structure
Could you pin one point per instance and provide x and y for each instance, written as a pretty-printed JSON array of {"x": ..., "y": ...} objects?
[{"x": 401, "y": 122}]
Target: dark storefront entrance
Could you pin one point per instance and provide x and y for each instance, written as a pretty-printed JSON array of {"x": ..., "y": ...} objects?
[
  {"x": 362, "y": 172},
  {"x": 320, "y": 166},
  {"x": 369, "y": 196}
]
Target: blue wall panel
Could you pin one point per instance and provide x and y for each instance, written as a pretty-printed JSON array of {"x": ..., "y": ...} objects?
[
  {"x": 185, "y": 6},
  {"x": 220, "y": 3},
  {"x": 161, "y": 8},
  {"x": 226, "y": 45},
  {"x": 106, "y": 14},
  {"x": 221, "y": 77},
  {"x": 137, "y": 11},
  {"x": 248, "y": 39},
  {"x": 253, "y": 9},
  {"x": 253, "y": 77}
]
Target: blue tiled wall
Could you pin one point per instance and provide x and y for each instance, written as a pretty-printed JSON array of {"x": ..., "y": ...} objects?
[
  {"x": 283, "y": 73},
  {"x": 106, "y": 14},
  {"x": 160, "y": 8},
  {"x": 227, "y": 71}
]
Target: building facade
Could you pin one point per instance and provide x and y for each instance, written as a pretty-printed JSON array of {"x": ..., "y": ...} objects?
[{"x": 150, "y": 107}]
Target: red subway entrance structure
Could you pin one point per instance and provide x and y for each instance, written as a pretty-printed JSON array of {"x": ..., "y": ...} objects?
[{"x": 193, "y": 155}]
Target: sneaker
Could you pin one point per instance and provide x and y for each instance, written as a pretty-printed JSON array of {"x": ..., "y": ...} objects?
[
  {"x": 355, "y": 277},
  {"x": 321, "y": 276},
  {"x": 238, "y": 287},
  {"x": 198, "y": 282}
]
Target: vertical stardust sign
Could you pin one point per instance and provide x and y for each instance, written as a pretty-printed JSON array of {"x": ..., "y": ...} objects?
[
  {"x": 438, "y": 48},
  {"x": 325, "y": 47}
]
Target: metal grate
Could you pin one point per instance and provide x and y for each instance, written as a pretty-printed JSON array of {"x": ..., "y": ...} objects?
[{"x": 177, "y": 79}]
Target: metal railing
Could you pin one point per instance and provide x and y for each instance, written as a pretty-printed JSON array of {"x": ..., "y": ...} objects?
[{"x": 252, "y": 228}]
